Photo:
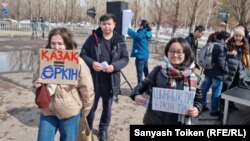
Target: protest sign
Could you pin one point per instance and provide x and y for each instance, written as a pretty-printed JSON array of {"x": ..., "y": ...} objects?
[
  {"x": 59, "y": 66},
  {"x": 172, "y": 100}
]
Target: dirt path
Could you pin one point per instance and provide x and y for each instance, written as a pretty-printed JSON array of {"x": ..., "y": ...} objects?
[{"x": 19, "y": 115}]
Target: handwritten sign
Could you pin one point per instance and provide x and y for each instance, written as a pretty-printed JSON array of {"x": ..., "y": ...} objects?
[
  {"x": 59, "y": 66},
  {"x": 171, "y": 100}
]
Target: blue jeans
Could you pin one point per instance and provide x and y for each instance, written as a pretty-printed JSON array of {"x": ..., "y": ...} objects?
[
  {"x": 141, "y": 67},
  {"x": 216, "y": 92},
  {"x": 68, "y": 128}
]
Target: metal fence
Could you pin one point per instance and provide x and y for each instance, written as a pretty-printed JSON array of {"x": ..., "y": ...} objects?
[{"x": 26, "y": 27}]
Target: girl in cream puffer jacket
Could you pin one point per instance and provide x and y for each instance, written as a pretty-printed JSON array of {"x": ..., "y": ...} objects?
[{"x": 67, "y": 101}]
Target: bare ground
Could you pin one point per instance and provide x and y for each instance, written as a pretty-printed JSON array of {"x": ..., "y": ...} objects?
[{"x": 19, "y": 115}]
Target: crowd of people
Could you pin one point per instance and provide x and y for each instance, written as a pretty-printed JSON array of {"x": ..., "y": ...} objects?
[{"x": 104, "y": 54}]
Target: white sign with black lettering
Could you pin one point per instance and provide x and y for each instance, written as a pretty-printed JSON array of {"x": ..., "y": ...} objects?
[{"x": 171, "y": 100}]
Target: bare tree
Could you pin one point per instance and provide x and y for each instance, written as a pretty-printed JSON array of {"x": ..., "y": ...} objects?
[
  {"x": 144, "y": 7},
  {"x": 210, "y": 9},
  {"x": 18, "y": 9},
  {"x": 136, "y": 7},
  {"x": 49, "y": 11},
  {"x": 66, "y": 11},
  {"x": 30, "y": 9},
  {"x": 100, "y": 6},
  {"x": 73, "y": 6},
  {"x": 177, "y": 8},
  {"x": 39, "y": 8},
  {"x": 196, "y": 5},
  {"x": 80, "y": 11},
  {"x": 165, "y": 13},
  {"x": 157, "y": 13},
  {"x": 240, "y": 10}
]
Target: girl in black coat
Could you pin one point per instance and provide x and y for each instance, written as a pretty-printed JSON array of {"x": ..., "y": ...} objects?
[{"x": 174, "y": 73}]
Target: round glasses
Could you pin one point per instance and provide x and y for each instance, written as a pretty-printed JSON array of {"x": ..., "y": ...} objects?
[{"x": 178, "y": 53}]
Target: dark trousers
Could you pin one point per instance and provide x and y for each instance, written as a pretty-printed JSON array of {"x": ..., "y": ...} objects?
[
  {"x": 43, "y": 35},
  {"x": 141, "y": 67},
  {"x": 107, "y": 100}
]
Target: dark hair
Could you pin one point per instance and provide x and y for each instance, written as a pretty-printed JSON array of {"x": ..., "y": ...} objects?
[
  {"x": 106, "y": 17},
  {"x": 189, "y": 56},
  {"x": 145, "y": 24},
  {"x": 66, "y": 35},
  {"x": 223, "y": 35},
  {"x": 199, "y": 28}
]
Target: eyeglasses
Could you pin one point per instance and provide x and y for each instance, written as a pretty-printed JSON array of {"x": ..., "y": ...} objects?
[{"x": 173, "y": 52}]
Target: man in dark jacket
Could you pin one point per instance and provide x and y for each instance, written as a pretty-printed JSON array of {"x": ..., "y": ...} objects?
[
  {"x": 192, "y": 39},
  {"x": 105, "y": 53}
]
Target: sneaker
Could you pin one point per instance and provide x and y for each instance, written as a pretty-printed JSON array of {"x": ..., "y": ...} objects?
[
  {"x": 205, "y": 109},
  {"x": 216, "y": 114}
]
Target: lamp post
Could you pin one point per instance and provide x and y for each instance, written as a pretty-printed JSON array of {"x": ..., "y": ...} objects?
[
  {"x": 224, "y": 16},
  {"x": 226, "y": 20}
]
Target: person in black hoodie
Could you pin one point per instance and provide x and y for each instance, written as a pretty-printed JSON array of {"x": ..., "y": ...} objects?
[
  {"x": 105, "y": 53},
  {"x": 214, "y": 77},
  {"x": 175, "y": 72}
]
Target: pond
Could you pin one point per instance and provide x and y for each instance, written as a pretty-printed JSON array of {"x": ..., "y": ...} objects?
[{"x": 18, "y": 61}]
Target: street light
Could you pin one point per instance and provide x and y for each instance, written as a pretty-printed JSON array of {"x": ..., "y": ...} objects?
[{"x": 224, "y": 16}]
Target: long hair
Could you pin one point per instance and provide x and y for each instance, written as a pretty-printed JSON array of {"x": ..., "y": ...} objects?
[
  {"x": 189, "y": 56},
  {"x": 232, "y": 45},
  {"x": 66, "y": 35}
]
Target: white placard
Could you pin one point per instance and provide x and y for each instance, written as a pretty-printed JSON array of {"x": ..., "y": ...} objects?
[
  {"x": 171, "y": 100},
  {"x": 126, "y": 21}
]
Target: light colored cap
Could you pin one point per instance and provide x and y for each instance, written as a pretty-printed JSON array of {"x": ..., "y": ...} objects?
[{"x": 239, "y": 31}]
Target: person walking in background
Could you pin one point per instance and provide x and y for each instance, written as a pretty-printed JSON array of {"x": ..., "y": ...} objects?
[
  {"x": 67, "y": 101},
  {"x": 214, "y": 77},
  {"x": 175, "y": 72},
  {"x": 42, "y": 26},
  {"x": 34, "y": 26},
  {"x": 140, "y": 48},
  {"x": 222, "y": 26},
  {"x": 192, "y": 39},
  {"x": 105, "y": 53}
]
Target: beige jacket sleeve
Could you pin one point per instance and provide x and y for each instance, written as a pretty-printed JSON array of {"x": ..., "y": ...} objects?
[{"x": 85, "y": 87}]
